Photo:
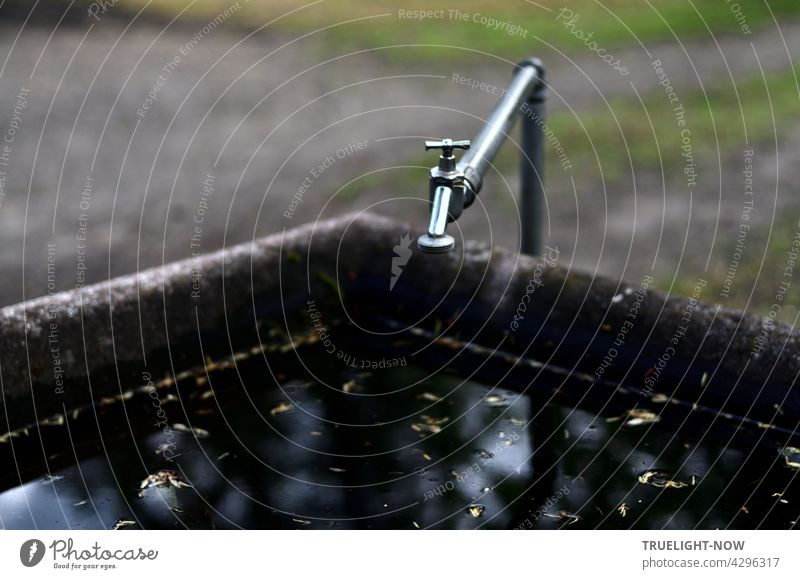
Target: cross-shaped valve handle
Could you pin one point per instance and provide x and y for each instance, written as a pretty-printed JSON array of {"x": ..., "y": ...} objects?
[{"x": 447, "y": 146}]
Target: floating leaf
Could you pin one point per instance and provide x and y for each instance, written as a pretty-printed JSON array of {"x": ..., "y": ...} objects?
[
  {"x": 660, "y": 479},
  {"x": 475, "y": 511},
  {"x": 281, "y": 408},
  {"x": 430, "y": 425},
  {"x": 496, "y": 401},
  {"x": 198, "y": 432},
  {"x": 564, "y": 516},
  {"x": 55, "y": 420},
  {"x": 122, "y": 523},
  {"x": 636, "y": 417},
  {"x": 792, "y": 457},
  {"x": 429, "y": 396},
  {"x": 350, "y": 386},
  {"x": 161, "y": 479}
]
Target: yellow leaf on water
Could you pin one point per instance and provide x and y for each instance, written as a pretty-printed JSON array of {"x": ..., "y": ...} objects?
[{"x": 281, "y": 408}]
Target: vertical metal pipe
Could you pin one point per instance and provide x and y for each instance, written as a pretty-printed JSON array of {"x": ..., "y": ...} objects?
[{"x": 532, "y": 174}]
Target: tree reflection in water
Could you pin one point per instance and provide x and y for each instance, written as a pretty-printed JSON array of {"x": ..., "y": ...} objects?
[{"x": 342, "y": 447}]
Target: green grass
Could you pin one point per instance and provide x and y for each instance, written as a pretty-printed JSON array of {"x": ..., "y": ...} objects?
[
  {"x": 760, "y": 272},
  {"x": 718, "y": 120},
  {"x": 593, "y": 139},
  {"x": 614, "y": 23},
  {"x": 647, "y": 134}
]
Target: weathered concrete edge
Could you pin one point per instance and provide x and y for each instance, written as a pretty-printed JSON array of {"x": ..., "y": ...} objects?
[
  {"x": 99, "y": 325},
  {"x": 159, "y": 297}
]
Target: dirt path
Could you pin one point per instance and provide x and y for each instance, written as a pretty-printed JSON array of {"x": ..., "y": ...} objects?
[{"x": 124, "y": 157}]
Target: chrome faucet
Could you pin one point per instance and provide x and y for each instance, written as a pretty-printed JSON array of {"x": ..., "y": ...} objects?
[{"x": 454, "y": 185}]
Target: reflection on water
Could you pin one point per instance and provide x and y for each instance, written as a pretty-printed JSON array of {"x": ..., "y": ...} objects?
[
  {"x": 652, "y": 477},
  {"x": 352, "y": 447}
]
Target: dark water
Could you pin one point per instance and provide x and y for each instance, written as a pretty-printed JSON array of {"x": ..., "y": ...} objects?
[{"x": 306, "y": 439}]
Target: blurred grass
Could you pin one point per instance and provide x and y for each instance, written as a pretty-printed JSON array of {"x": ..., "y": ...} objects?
[
  {"x": 762, "y": 267},
  {"x": 718, "y": 119},
  {"x": 721, "y": 118},
  {"x": 614, "y": 23},
  {"x": 758, "y": 275}
]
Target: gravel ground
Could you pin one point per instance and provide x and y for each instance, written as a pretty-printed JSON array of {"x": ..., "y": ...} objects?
[{"x": 124, "y": 157}]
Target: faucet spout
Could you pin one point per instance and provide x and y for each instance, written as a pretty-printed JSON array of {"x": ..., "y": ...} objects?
[
  {"x": 436, "y": 240},
  {"x": 453, "y": 185}
]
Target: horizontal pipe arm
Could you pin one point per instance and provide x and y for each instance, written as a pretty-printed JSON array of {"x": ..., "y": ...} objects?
[{"x": 476, "y": 162}]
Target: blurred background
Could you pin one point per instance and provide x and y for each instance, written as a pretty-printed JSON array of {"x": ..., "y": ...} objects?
[{"x": 139, "y": 132}]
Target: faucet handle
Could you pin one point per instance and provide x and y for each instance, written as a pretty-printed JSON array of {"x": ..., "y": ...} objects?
[
  {"x": 447, "y": 146},
  {"x": 447, "y": 162}
]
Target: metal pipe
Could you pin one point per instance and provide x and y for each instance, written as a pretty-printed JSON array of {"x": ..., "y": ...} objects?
[
  {"x": 476, "y": 162},
  {"x": 532, "y": 175}
]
